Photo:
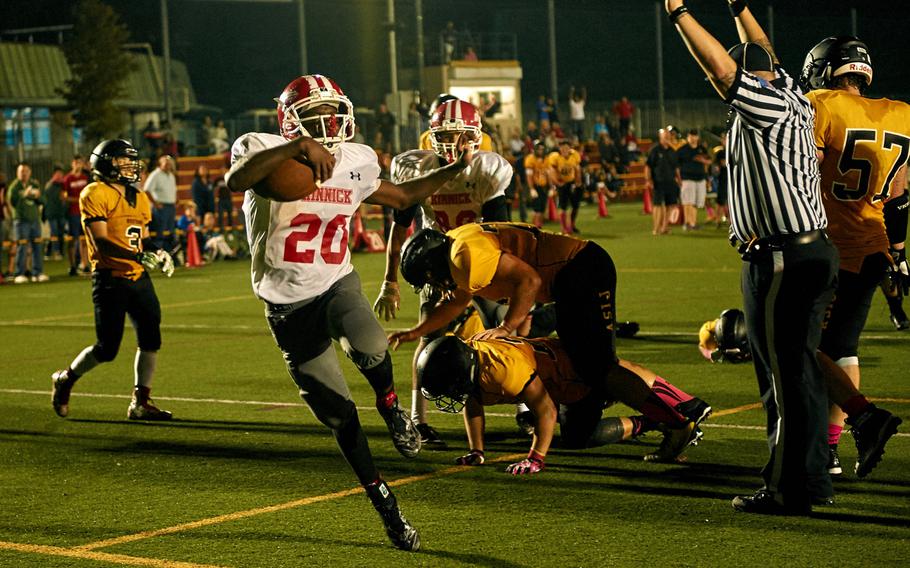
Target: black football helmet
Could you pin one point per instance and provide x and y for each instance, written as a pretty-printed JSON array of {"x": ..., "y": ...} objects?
[
  {"x": 116, "y": 161},
  {"x": 446, "y": 371},
  {"x": 425, "y": 260},
  {"x": 441, "y": 98},
  {"x": 832, "y": 57},
  {"x": 732, "y": 337}
]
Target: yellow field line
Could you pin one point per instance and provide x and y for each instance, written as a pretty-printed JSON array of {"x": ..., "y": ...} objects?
[
  {"x": 90, "y": 314},
  {"x": 736, "y": 409},
  {"x": 274, "y": 508},
  {"x": 99, "y": 556}
]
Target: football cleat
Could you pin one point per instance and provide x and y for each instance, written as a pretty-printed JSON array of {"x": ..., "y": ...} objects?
[
  {"x": 399, "y": 530},
  {"x": 695, "y": 410},
  {"x": 675, "y": 442},
  {"x": 834, "y": 467},
  {"x": 430, "y": 437},
  {"x": 763, "y": 503},
  {"x": 61, "y": 394},
  {"x": 899, "y": 319},
  {"x": 525, "y": 421},
  {"x": 147, "y": 411},
  {"x": 404, "y": 434},
  {"x": 871, "y": 431}
]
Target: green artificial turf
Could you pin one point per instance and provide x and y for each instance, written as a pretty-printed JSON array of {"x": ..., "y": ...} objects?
[{"x": 242, "y": 440}]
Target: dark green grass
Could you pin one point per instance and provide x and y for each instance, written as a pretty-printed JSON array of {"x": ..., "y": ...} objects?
[{"x": 95, "y": 475}]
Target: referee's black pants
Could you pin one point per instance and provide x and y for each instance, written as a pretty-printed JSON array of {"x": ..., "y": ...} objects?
[{"x": 786, "y": 290}]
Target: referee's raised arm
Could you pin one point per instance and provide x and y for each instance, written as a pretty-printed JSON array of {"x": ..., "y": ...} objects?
[{"x": 789, "y": 266}]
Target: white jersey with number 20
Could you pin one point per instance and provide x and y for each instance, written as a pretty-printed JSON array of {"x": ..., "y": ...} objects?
[{"x": 300, "y": 248}]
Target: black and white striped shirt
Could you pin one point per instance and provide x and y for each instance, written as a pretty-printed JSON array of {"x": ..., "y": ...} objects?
[{"x": 772, "y": 164}]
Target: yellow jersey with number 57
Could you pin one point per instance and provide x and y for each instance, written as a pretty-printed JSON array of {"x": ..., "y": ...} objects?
[
  {"x": 865, "y": 142},
  {"x": 125, "y": 222}
]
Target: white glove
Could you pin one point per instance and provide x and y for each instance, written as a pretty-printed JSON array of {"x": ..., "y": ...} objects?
[
  {"x": 156, "y": 260},
  {"x": 389, "y": 300}
]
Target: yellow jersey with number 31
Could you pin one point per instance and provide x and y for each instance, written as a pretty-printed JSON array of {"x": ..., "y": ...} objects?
[
  {"x": 865, "y": 142},
  {"x": 102, "y": 202}
]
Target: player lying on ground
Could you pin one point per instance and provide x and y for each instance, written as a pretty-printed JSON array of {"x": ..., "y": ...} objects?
[
  {"x": 115, "y": 218},
  {"x": 474, "y": 374},
  {"x": 302, "y": 271},
  {"x": 524, "y": 265}
]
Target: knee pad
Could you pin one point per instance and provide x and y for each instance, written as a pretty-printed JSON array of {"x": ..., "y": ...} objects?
[
  {"x": 105, "y": 353},
  {"x": 364, "y": 361},
  {"x": 322, "y": 387}
]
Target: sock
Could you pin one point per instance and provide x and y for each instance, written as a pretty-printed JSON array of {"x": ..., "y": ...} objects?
[
  {"x": 669, "y": 393},
  {"x": 145, "y": 367},
  {"x": 640, "y": 425},
  {"x": 855, "y": 405},
  {"x": 142, "y": 394},
  {"x": 418, "y": 407},
  {"x": 834, "y": 432},
  {"x": 657, "y": 409},
  {"x": 387, "y": 401},
  {"x": 380, "y": 376},
  {"x": 354, "y": 447},
  {"x": 83, "y": 363},
  {"x": 894, "y": 303}
]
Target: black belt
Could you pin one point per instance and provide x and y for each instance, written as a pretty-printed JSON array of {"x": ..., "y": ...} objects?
[{"x": 780, "y": 242}]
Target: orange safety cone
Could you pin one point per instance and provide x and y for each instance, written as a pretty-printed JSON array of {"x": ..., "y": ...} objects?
[
  {"x": 646, "y": 202},
  {"x": 193, "y": 258},
  {"x": 602, "y": 205},
  {"x": 551, "y": 209}
]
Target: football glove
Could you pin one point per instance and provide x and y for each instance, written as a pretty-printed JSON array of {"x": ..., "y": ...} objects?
[
  {"x": 900, "y": 272},
  {"x": 474, "y": 457},
  {"x": 388, "y": 302},
  {"x": 526, "y": 466},
  {"x": 157, "y": 260}
]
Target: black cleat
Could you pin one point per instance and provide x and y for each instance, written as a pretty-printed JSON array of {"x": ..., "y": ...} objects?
[
  {"x": 763, "y": 503},
  {"x": 429, "y": 437},
  {"x": 834, "y": 467},
  {"x": 404, "y": 434},
  {"x": 399, "y": 530},
  {"x": 899, "y": 319},
  {"x": 627, "y": 329},
  {"x": 675, "y": 442},
  {"x": 871, "y": 431},
  {"x": 695, "y": 410}
]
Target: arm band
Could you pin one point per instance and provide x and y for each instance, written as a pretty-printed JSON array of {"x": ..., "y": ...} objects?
[
  {"x": 737, "y": 7},
  {"x": 676, "y": 14},
  {"x": 895, "y": 212}
]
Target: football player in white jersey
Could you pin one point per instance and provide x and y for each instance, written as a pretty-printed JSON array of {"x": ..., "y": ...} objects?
[
  {"x": 477, "y": 193},
  {"x": 301, "y": 269}
]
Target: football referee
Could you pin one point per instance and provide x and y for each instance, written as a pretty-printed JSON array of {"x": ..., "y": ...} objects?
[{"x": 789, "y": 265}]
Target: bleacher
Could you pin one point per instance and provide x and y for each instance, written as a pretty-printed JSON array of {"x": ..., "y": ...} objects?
[{"x": 634, "y": 178}]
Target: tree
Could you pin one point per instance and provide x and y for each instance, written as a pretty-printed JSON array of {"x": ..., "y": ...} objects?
[{"x": 99, "y": 67}]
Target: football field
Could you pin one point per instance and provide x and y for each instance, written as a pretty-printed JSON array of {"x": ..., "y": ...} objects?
[{"x": 245, "y": 475}]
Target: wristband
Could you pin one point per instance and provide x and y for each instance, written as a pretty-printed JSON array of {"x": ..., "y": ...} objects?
[
  {"x": 506, "y": 327},
  {"x": 737, "y": 7},
  {"x": 676, "y": 14}
]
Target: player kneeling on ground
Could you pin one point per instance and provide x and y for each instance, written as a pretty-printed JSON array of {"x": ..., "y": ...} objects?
[
  {"x": 115, "y": 218},
  {"x": 474, "y": 374},
  {"x": 301, "y": 266}
]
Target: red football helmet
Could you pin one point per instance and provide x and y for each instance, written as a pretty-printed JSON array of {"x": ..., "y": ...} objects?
[
  {"x": 451, "y": 119},
  {"x": 303, "y": 95}
]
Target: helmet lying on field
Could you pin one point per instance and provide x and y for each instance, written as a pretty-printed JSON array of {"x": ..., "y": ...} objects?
[
  {"x": 725, "y": 338},
  {"x": 446, "y": 369}
]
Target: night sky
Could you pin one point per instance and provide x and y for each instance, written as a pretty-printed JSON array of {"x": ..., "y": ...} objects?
[{"x": 241, "y": 54}]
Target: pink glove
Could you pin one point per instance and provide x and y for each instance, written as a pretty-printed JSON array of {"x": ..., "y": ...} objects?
[
  {"x": 526, "y": 466},
  {"x": 474, "y": 457}
]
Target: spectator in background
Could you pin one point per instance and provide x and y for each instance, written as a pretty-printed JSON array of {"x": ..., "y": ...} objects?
[
  {"x": 554, "y": 112},
  {"x": 201, "y": 190},
  {"x": 449, "y": 39},
  {"x": 161, "y": 187},
  {"x": 73, "y": 184},
  {"x": 533, "y": 132},
  {"x": 225, "y": 204},
  {"x": 675, "y": 141},
  {"x": 216, "y": 246},
  {"x": 470, "y": 54},
  {"x": 205, "y": 134},
  {"x": 720, "y": 161},
  {"x": 693, "y": 160},
  {"x": 630, "y": 146},
  {"x": 153, "y": 139},
  {"x": 219, "y": 138},
  {"x": 662, "y": 180},
  {"x": 516, "y": 143},
  {"x": 385, "y": 126},
  {"x": 55, "y": 213},
  {"x": 577, "y": 100},
  {"x": 26, "y": 199},
  {"x": 610, "y": 156},
  {"x": 543, "y": 110},
  {"x": 169, "y": 145},
  {"x": 623, "y": 109},
  {"x": 600, "y": 126},
  {"x": 7, "y": 242}
]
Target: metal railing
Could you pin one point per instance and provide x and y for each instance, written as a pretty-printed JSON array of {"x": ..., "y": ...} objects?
[{"x": 451, "y": 46}]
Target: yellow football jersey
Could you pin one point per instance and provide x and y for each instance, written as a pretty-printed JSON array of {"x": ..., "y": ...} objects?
[
  {"x": 125, "y": 223},
  {"x": 539, "y": 168},
  {"x": 486, "y": 143},
  {"x": 565, "y": 167},
  {"x": 865, "y": 141},
  {"x": 508, "y": 364},
  {"x": 476, "y": 249}
]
